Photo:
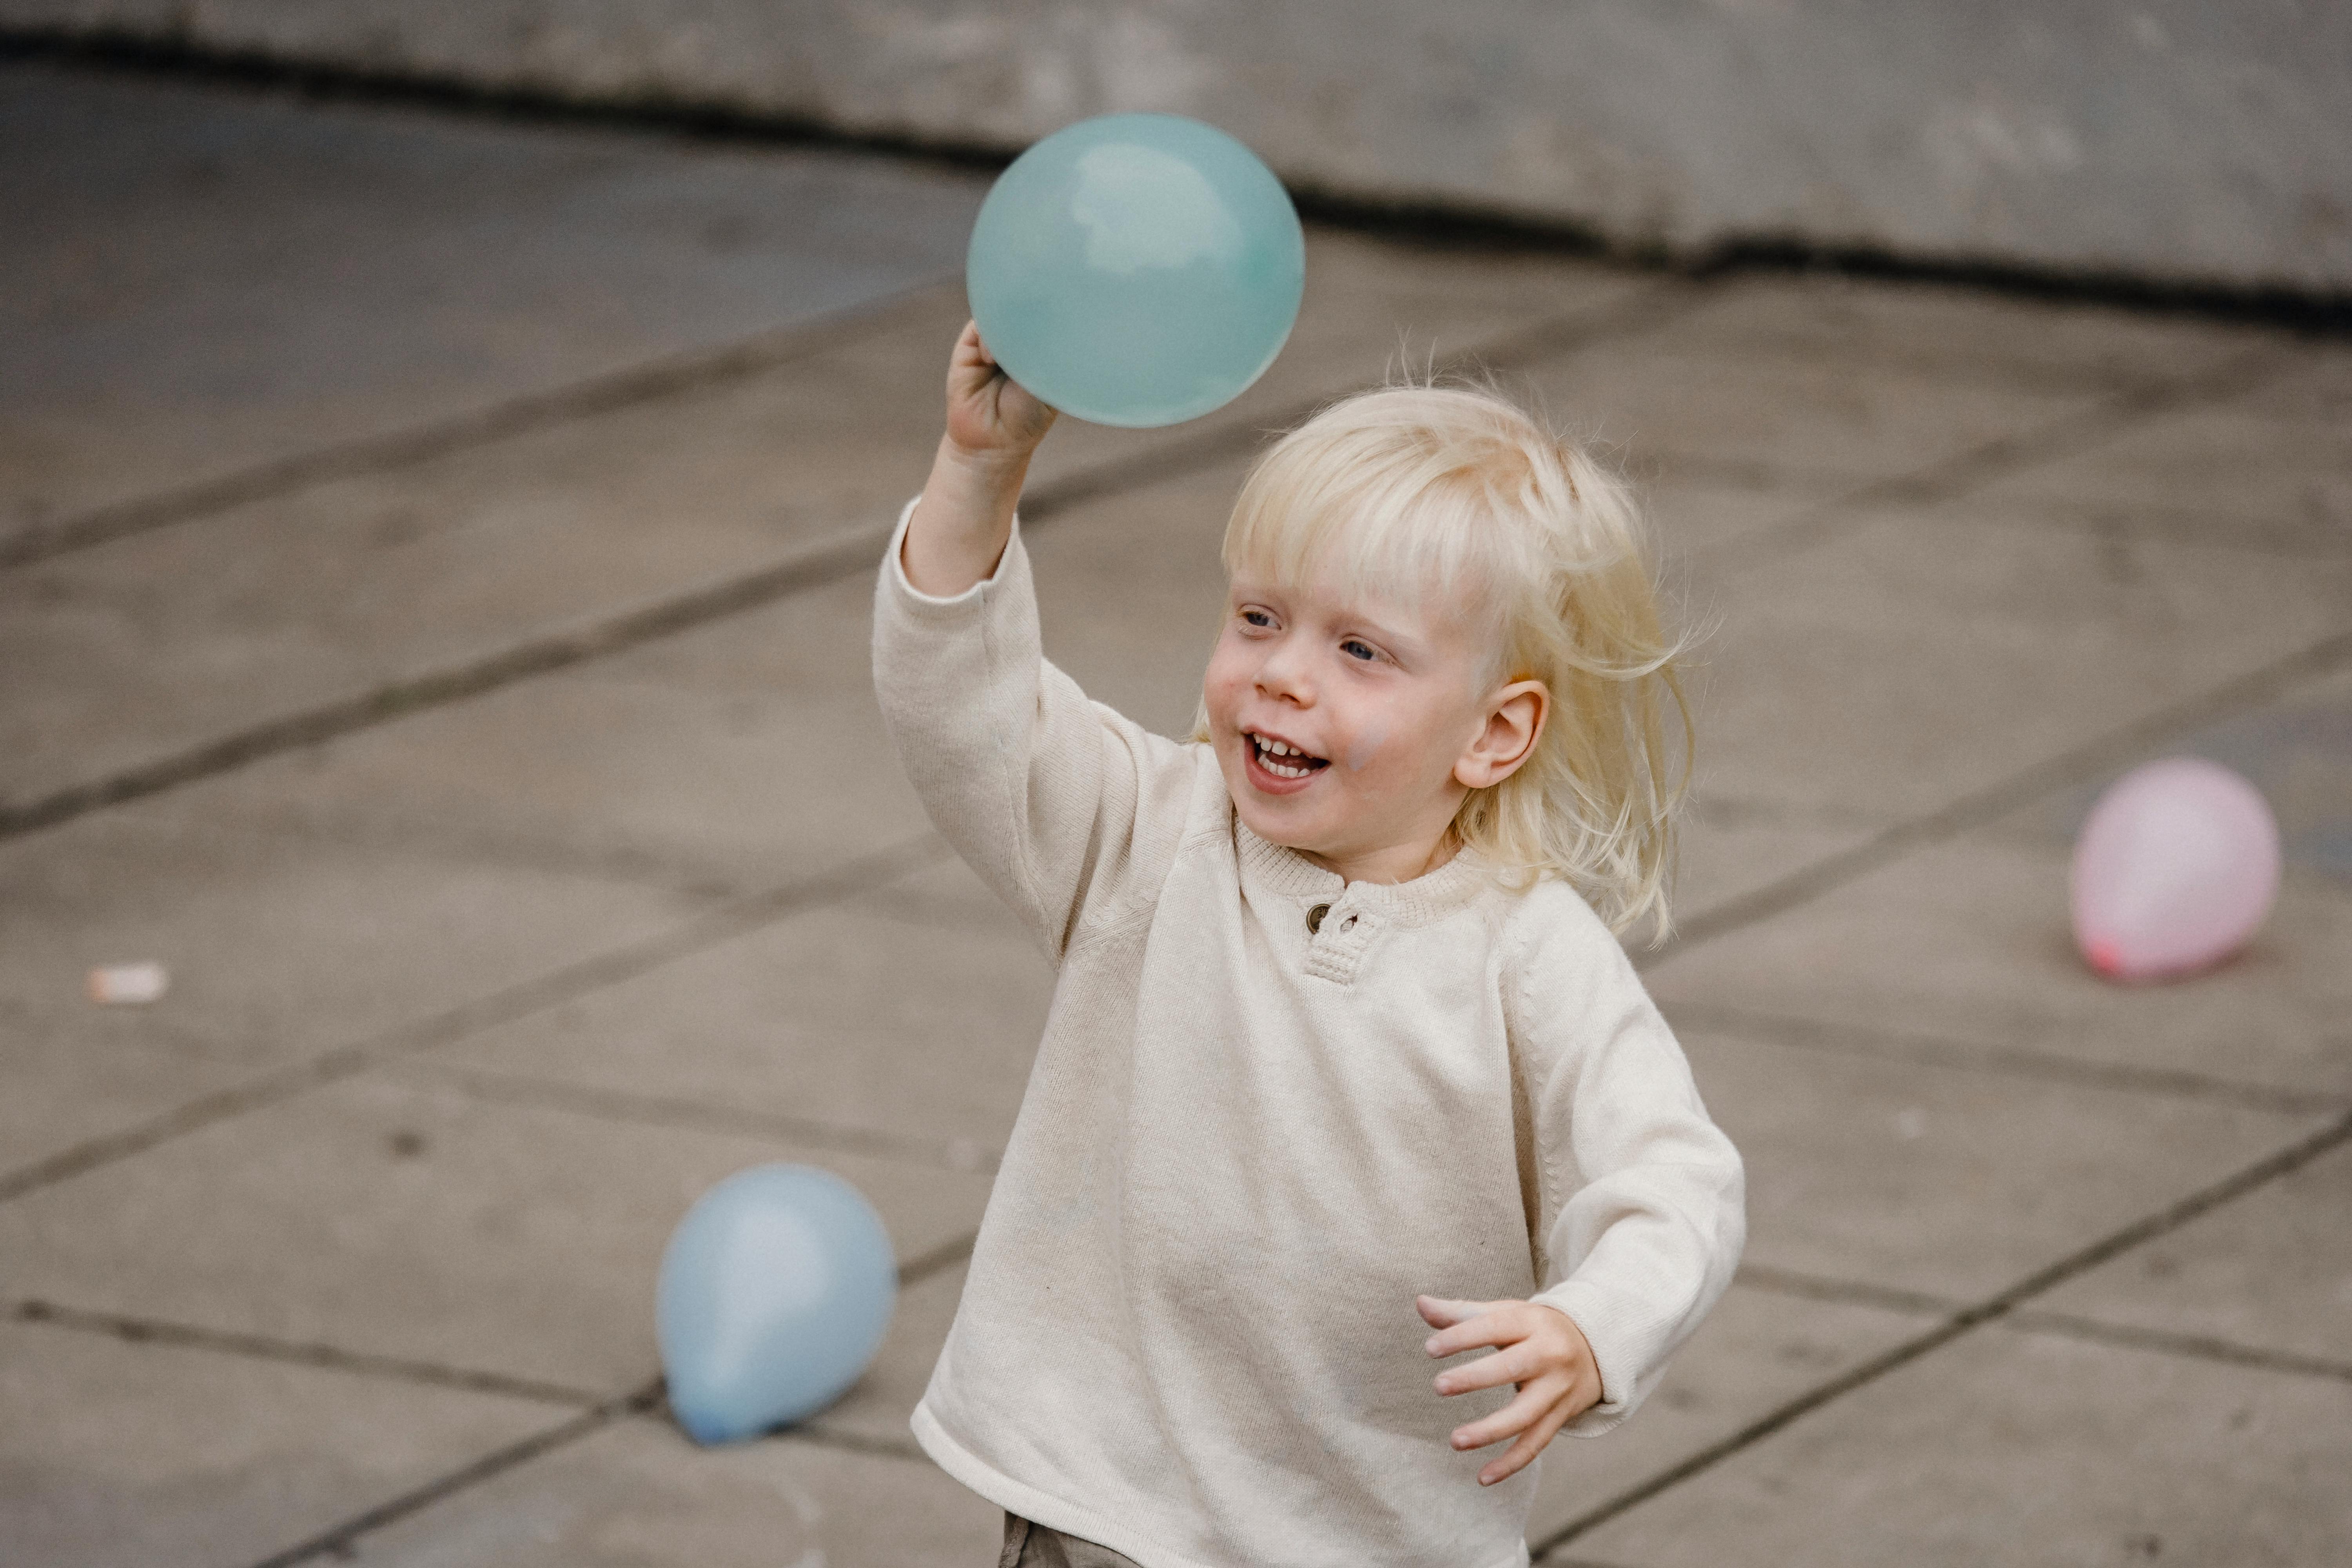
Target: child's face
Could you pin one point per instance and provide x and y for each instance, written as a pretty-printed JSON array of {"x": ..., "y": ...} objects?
[{"x": 1384, "y": 714}]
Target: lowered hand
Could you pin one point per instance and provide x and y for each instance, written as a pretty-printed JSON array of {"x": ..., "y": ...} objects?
[{"x": 1541, "y": 1348}]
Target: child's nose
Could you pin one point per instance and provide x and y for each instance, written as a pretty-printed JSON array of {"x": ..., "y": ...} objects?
[{"x": 1284, "y": 675}]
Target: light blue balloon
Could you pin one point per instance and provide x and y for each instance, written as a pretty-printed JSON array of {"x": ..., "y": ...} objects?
[
  {"x": 774, "y": 1294},
  {"x": 1136, "y": 268}
]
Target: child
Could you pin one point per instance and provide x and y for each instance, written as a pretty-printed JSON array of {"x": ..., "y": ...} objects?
[{"x": 1340, "y": 1031}]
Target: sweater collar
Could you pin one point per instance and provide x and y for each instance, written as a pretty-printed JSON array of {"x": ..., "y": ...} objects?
[{"x": 1272, "y": 870}]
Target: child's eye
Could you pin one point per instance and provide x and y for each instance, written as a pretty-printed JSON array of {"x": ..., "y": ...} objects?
[
  {"x": 1356, "y": 648},
  {"x": 1257, "y": 617}
]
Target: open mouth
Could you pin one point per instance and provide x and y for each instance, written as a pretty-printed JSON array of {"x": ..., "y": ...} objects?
[{"x": 1282, "y": 760}]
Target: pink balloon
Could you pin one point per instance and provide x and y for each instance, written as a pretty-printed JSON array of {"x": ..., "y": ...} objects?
[{"x": 2174, "y": 869}]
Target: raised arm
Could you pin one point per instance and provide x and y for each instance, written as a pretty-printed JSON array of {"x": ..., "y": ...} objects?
[
  {"x": 959, "y": 529},
  {"x": 1060, "y": 804}
]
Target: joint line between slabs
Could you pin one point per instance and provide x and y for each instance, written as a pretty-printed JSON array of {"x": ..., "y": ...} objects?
[
  {"x": 2001, "y": 798},
  {"x": 1950, "y": 478},
  {"x": 504, "y": 1006},
  {"x": 1857, "y": 1040},
  {"x": 911, "y": 1272},
  {"x": 1844, "y": 1292},
  {"x": 635, "y": 1109},
  {"x": 2182, "y": 1347},
  {"x": 610, "y": 392},
  {"x": 340, "y": 1542},
  {"x": 938, "y": 1260},
  {"x": 810, "y": 566},
  {"x": 1992, "y": 1309},
  {"x": 2069, "y": 1325},
  {"x": 261, "y": 1347},
  {"x": 816, "y": 1433}
]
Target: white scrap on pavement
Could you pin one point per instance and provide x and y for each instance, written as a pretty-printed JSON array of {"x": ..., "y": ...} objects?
[{"x": 134, "y": 985}]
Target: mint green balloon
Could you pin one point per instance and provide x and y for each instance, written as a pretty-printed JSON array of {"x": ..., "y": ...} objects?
[{"x": 1136, "y": 268}]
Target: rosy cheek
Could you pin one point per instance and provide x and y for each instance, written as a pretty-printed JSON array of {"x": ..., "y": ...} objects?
[
  {"x": 1217, "y": 684},
  {"x": 1365, "y": 747}
]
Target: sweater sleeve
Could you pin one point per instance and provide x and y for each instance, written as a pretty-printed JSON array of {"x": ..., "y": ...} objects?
[
  {"x": 1066, "y": 809},
  {"x": 1644, "y": 1212}
]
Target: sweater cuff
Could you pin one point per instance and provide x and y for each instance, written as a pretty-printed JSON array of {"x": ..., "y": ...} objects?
[
  {"x": 1607, "y": 1325},
  {"x": 930, "y": 607}
]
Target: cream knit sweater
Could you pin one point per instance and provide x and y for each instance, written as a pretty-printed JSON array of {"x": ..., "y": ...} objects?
[{"x": 1188, "y": 1331}]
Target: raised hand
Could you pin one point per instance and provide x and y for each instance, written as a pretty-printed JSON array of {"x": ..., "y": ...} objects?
[
  {"x": 1541, "y": 1348},
  {"x": 966, "y": 515},
  {"x": 989, "y": 413}
]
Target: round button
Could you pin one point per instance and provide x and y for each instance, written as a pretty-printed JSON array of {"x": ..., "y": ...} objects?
[{"x": 1315, "y": 918}]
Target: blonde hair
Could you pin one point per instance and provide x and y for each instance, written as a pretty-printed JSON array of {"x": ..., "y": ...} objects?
[{"x": 1409, "y": 490}]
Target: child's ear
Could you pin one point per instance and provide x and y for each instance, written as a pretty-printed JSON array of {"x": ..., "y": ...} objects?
[{"x": 1515, "y": 719}]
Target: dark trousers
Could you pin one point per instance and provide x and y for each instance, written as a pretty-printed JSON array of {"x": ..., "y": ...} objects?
[{"x": 1031, "y": 1546}]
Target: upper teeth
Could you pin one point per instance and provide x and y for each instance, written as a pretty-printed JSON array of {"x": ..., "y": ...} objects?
[{"x": 1269, "y": 750}]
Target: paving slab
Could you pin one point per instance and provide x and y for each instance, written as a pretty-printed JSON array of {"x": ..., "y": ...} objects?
[
  {"x": 1950, "y": 1180},
  {"x": 1969, "y": 943},
  {"x": 1955, "y": 333},
  {"x": 747, "y": 751},
  {"x": 278, "y": 948},
  {"x": 1131, "y": 594},
  {"x": 1729, "y": 848},
  {"x": 1691, "y": 401},
  {"x": 1897, "y": 666},
  {"x": 114, "y": 1453},
  {"x": 2270, "y": 1272},
  {"x": 846, "y": 1023},
  {"x": 727, "y": 760},
  {"x": 1959, "y": 630},
  {"x": 403, "y": 1218},
  {"x": 150, "y": 644},
  {"x": 205, "y": 279},
  {"x": 1756, "y": 1352},
  {"x": 2270, "y": 468},
  {"x": 1693, "y": 515},
  {"x": 639, "y": 1493},
  {"x": 2007, "y": 1447}
]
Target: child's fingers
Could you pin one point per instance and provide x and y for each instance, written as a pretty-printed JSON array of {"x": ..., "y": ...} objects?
[
  {"x": 1514, "y": 1365},
  {"x": 1439, "y": 1313},
  {"x": 1495, "y": 1327},
  {"x": 1523, "y": 1452},
  {"x": 1520, "y": 1413},
  {"x": 971, "y": 367}
]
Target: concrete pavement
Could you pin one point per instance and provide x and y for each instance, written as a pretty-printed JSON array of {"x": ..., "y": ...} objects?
[{"x": 435, "y": 611}]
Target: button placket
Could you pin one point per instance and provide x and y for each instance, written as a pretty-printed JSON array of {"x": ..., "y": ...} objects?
[
  {"x": 1337, "y": 936},
  {"x": 1318, "y": 914}
]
